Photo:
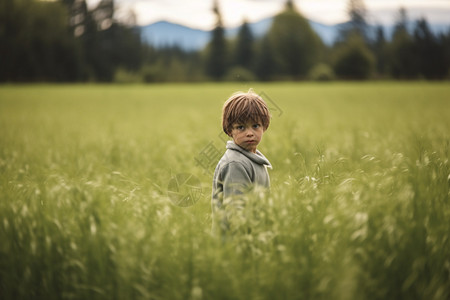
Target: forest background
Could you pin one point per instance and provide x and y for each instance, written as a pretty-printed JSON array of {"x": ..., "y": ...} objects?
[{"x": 65, "y": 41}]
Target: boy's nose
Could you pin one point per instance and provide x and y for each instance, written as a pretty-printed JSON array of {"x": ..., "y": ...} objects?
[{"x": 249, "y": 132}]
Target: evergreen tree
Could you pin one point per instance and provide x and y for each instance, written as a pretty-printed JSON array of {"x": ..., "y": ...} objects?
[
  {"x": 357, "y": 25},
  {"x": 358, "y": 12},
  {"x": 444, "y": 41},
  {"x": 290, "y": 5},
  {"x": 402, "y": 58},
  {"x": 430, "y": 54},
  {"x": 354, "y": 59},
  {"x": 379, "y": 46},
  {"x": 296, "y": 47},
  {"x": 243, "y": 53},
  {"x": 264, "y": 61},
  {"x": 216, "y": 52},
  {"x": 401, "y": 25},
  {"x": 103, "y": 14},
  {"x": 98, "y": 41},
  {"x": 78, "y": 16}
]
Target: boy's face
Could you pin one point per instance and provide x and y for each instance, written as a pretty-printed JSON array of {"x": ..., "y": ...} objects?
[{"x": 247, "y": 135}]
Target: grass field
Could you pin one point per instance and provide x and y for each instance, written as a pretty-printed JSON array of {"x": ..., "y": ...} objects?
[{"x": 359, "y": 205}]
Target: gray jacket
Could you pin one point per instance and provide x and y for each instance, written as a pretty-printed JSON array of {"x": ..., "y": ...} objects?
[{"x": 237, "y": 171}]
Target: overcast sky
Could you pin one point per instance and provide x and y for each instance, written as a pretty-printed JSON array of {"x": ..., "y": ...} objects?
[{"x": 198, "y": 13}]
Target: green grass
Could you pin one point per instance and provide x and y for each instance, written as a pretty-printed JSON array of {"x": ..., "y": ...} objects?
[{"x": 359, "y": 206}]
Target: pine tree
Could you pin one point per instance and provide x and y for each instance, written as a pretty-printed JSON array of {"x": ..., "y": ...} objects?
[
  {"x": 296, "y": 47},
  {"x": 402, "y": 60},
  {"x": 379, "y": 49},
  {"x": 401, "y": 25},
  {"x": 217, "y": 53},
  {"x": 243, "y": 53},
  {"x": 357, "y": 25},
  {"x": 358, "y": 12},
  {"x": 430, "y": 54},
  {"x": 353, "y": 58},
  {"x": 264, "y": 61}
]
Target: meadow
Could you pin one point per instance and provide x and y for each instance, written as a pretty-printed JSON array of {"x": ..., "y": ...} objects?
[{"x": 358, "y": 208}]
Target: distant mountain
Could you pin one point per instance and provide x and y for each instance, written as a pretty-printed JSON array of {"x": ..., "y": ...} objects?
[
  {"x": 258, "y": 28},
  {"x": 327, "y": 33},
  {"x": 164, "y": 34}
]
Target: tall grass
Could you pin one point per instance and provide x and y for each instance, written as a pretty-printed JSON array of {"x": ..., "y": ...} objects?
[{"x": 359, "y": 206}]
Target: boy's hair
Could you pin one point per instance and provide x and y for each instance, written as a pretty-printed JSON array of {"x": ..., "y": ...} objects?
[{"x": 242, "y": 107}]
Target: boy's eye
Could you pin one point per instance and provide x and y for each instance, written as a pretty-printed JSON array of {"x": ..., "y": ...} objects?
[
  {"x": 240, "y": 127},
  {"x": 256, "y": 126}
]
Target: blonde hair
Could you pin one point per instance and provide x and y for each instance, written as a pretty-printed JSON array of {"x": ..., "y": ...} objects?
[{"x": 242, "y": 107}]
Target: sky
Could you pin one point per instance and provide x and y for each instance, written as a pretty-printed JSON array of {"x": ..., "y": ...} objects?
[{"x": 198, "y": 13}]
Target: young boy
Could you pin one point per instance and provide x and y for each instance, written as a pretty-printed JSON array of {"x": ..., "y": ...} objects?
[{"x": 245, "y": 118}]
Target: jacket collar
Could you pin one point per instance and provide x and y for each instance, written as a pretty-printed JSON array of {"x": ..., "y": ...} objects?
[{"x": 258, "y": 158}]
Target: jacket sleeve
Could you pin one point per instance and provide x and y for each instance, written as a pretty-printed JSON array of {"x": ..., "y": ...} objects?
[{"x": 235, "y": 178}]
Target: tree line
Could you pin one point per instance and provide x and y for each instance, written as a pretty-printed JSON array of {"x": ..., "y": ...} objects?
[
  {"x": 292, "y": 50},
  {"x": 64, "y": 41}
]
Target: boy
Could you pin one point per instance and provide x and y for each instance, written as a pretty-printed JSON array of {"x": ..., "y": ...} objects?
[{"x": 245, "y": 117}]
